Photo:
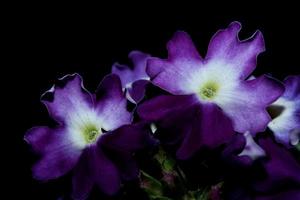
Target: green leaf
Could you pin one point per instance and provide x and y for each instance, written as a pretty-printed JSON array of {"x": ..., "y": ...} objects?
[
  {"x": 167, "y": 162},
  {"x": 151, "y": 185}
]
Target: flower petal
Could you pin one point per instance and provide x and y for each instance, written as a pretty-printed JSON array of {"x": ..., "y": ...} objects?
[
  {"x": 226, "y": 47},
  {"x": 124, "y": 72},
  {"x": 252, "y": 149},
  {"x": 59, "y": 153},
  {"x": 292, "y": 84},
  {"x": 173, "y": 74},
  {"x": 129, "y": 138},
  {"x": 182, "y": 47},
  {"x": 138, "y": 72},
  {"x": 71, "y": 98},
  {"x": 210, "y": 128},
  {"x": 281, "y": 167},
  {"x": 82, "y": 180},
  {"x": 232, "y": 150},
  {"x": 39, "y": 137},
  {"x": 105, "y": 172},
  {"x": 246, "y": 103},
  {"x": 138, "y": 89},
  {"x": 286, "y": 123},
  {"x": 161, "y": 106},
  {"x": 127, "y": 165},
  {"x": 111, "y": 103}
]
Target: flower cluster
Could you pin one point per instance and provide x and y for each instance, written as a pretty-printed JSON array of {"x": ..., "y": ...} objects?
[{"x": 213, "y": 130}]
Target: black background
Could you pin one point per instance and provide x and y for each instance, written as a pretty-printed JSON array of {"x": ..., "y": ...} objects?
[{"x": 46, "y": 42}]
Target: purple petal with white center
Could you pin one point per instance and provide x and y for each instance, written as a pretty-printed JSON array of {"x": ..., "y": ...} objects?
[
  {"x": 239, "y": 56},
  {"x": 252, "y": 149},
  {"x": 111, "y": 103},
  {"x": 72, "y": 98},
  {"x": 59, "y": 153},
  {"x": 70, "y": 146},
  {"x": 220, "y": 76},
  {"x": 286, "y": 110}
]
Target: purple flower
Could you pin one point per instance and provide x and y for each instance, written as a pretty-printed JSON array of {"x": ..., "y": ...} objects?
[
  {"x": 214, "y": 90},
  {"x": 89, "y": 126},
  {"x": 133, "y": 79},
  {"x": 286, "y": 111}
]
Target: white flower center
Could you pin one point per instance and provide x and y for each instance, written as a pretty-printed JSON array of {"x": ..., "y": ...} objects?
[{"x": 84, "y": 126}]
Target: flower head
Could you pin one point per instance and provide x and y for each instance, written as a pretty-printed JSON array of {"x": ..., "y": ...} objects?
[
  {"x": 215, "y": 87},
  {"x": 88, "y": 127}
]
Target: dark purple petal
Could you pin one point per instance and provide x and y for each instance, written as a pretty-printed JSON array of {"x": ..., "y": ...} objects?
[
  {"x": 128, "y": 138},
  {"x": 127, "y": 165},
  {"x": 59, "y": 155},
  {"x": 82, "y": 180},
  {"x": 210, "y": 128},
  {"x": 247, "y": 105},
  {"x": 137, "y": 91},
  {"x": 68, "y": 99},
  {"x": 283, "y": 195},
  {"x": 104, "y": 171},
  {"x": 281, "y": 167},
  {"x": 111, "y": 103},
  {"x": 232, "y": 150},
  {"x": 177, "y": 120},
  {"x": 226, "y": 47},
  {"x": 164, "y": 105}
]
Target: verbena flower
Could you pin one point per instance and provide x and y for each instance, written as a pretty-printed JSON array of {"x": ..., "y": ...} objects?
[
  {"x": 90, "y": 128},
  {"x": 286, "y": 113},
  {"x": 215, "y": 89},
  {"x": 134, "y": 79}
]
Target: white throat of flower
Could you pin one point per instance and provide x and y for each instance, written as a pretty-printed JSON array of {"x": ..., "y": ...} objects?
[
  {"x": 284, "y": 120},
  {"x": 84, "y": 127},
  {"x": 214, "y": 82}
]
